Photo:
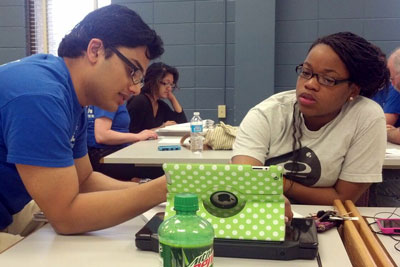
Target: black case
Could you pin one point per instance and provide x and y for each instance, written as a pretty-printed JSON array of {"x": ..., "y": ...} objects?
[{"x": 301, "y": 242}]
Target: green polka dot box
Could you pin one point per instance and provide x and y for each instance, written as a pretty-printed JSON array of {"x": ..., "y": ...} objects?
[{"x": 239, "y": 201}]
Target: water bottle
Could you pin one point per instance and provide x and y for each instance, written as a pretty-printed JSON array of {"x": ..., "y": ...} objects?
[
  {"x": 186, "y": 240},
  {"x": 196, "y": 133}
]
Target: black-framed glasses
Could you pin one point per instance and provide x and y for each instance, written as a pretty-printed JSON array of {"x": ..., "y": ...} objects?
[
  {"x": 136, "y": 73},
  {"x": 173, "y": 86},
  {"x": 308, "y": 74}
]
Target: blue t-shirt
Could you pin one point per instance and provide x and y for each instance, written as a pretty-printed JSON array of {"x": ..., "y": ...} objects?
[
  {"x": 381, "y": 96},
  {"x": 389, "y": 101},
  {"x": 120, "y": 123},
  {"x": 41, "y": 124}
]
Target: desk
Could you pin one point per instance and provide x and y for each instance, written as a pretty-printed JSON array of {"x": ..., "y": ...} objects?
[
  {"x": 387, "y": 241},
  {"x": 391, "y": 162},
  {"x": 115, "y": 247},
  {"x": 146, "y": 153}
]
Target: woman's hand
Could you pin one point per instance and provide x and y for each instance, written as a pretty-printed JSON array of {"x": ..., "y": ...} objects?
[
  {"x": 171, "y": 97},
  {"x": 174, "y": 102},
  {"x": 147, "y": 134},
  {"x": 287, "y": 186},
  {"x": 167, "y": 123},
  {"x": 288, "y": 211}
]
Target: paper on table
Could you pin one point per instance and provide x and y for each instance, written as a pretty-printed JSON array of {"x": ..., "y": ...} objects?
[
  {"x": 297, "y": 215},
  {"x": 169, "y": 141},
  {"x": 150, "y": 213},
  {"x": 392, "y": 152},
  {"x": 178, "y": 129},
  {"x": 182, "y": 127}
]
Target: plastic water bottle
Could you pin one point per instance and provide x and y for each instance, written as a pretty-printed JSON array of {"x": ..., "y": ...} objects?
[
  {"x": 196, "y": 133},
  {"x": 186, "y": 240}
]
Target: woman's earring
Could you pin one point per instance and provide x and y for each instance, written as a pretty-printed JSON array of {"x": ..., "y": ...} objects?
[{"x": 351, "y": 98}]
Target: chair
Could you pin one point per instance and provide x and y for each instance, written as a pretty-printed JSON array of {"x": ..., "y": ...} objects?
[{"x": 363, "y": 201}]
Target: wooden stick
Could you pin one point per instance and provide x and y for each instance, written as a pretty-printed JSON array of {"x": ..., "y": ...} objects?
[
  {"x": 377, "y": 251},
  {"x": 354, "y": 244}
]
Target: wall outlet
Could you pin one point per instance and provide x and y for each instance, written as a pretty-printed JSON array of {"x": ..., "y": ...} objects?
[{"x": 221, "y": 111}]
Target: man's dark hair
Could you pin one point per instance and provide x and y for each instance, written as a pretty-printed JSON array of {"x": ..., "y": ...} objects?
[
  {"x": 154, "y": 74},
  {"x": 365, "y": 62},
  {"x": 116, "y": 26}
]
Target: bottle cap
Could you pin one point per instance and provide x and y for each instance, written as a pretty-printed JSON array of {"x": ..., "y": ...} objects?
[
  {"x": 196, "y": 113},
  {"x": 186, "y": 202}
]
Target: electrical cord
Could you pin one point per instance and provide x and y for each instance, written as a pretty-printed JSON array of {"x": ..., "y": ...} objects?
[{"x": 396, "y": 246}]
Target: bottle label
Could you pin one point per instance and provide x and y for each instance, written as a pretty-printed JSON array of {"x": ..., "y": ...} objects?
[
  {"x": 186, "y": 257},
  {"x": 197, "y": 128}
]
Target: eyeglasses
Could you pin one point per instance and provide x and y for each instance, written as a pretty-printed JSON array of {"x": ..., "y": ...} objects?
[
  {"x": 322, "y": 79},
  {"x": 173, "y": 86},
  {"x": 136, "y": 73}
]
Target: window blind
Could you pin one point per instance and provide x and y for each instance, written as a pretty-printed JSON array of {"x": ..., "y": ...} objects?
[
  {"x": 50, "y": 20},
  {"x": 37, "y": 26}
]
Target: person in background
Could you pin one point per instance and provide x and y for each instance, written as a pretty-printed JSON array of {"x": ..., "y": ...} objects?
[
  {"x": 108, "y": 132},
  {"x": 43, "y": 147},
  {"x": 387, "y": 193},
  {"x": 392, "y": 105},
  {"x": 389, "y": 99},
  {"x": 328, "y": 136},
  {"x": 147, "y": 110}
]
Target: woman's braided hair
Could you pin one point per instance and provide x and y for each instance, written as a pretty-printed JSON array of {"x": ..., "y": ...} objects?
[{"x": 366, "y": 64}]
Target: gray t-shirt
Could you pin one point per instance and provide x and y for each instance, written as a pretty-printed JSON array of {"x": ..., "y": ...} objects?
[{"x": 351, "y": 147}]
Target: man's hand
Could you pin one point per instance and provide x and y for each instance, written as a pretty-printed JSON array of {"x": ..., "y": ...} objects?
[
  {"x": 58, "y": 193},
  {"x": 393, "y": 134},
  {"x": 390, "y": 127}
]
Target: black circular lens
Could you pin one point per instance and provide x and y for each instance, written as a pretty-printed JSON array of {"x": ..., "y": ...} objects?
[{"x": 224, "y": 199}]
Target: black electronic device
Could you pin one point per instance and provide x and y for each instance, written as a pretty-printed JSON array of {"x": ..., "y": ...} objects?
[{"x": 301, "y": 242}]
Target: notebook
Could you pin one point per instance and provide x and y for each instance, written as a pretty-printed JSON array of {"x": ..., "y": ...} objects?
[{"x": 240, "y": 201}]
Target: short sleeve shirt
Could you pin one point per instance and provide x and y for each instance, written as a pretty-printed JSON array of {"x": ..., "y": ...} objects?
[
  {"x": 41, "y": 124},
  {"x": 120, "y": 123},
  {"x": 389, "y": 100},
  {"x": 351, "y": 147}
]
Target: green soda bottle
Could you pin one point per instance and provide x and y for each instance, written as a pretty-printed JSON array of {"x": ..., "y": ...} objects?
[{"x": 186, "y": 240}]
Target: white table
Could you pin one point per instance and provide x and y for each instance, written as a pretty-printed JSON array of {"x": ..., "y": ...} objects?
[
  {"x": 115, "y": 247},
  {"x": 391, "y": 162},
  {"x": 387, "y": 241},
  {"x": 146, "y": 153}
]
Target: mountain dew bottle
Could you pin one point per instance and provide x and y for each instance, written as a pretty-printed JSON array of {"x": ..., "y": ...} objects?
[{"x": 186, "y": 240}]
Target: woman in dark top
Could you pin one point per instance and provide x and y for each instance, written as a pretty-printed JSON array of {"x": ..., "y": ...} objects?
[{"x": 147, "y": 110}]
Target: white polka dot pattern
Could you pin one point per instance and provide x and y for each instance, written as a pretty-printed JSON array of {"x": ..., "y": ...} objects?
[{"x": 258, "y": 214}]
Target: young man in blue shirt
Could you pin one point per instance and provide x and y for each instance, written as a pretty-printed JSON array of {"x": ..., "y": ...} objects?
[{"x": 43, "y": 152}]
